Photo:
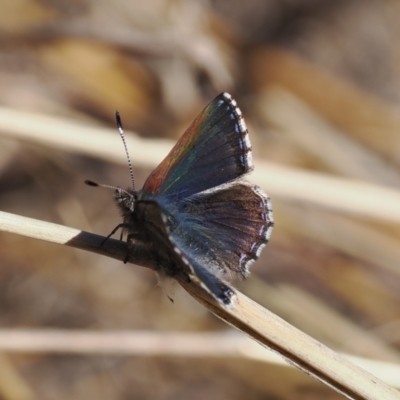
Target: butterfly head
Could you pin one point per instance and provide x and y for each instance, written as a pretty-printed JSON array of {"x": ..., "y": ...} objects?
[{"x": 125, "y": 199}]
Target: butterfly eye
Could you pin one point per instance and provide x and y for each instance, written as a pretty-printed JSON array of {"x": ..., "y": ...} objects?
[{"x": 127, "y": 200}]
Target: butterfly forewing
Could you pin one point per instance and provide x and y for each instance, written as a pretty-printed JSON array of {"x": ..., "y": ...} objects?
[{"x": 214, "y": 150}]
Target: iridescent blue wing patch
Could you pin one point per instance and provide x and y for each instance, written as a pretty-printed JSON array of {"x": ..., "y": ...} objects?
[{"x": 214, "y": 150}]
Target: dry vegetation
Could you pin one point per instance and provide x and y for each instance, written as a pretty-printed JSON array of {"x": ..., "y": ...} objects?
[{"x": 318, "y": 83}]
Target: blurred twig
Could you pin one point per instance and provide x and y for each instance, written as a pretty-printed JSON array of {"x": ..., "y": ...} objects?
[
  {"x": 245, "y": 315},
  {"x": 304, "y": 309},
  {"x": 150, "y": 343},
  {"x": 344, "y": 234},
  {"x": 12, "y": 385},
  {"x": 340, "y": 194},
  {"x": 363, "y": 116},
  {"x": 185, "y": 35},
  {"x": 333, "y": 148}
]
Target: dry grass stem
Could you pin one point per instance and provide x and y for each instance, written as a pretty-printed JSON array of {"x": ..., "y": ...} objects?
[{"x": 247, "y": 316}]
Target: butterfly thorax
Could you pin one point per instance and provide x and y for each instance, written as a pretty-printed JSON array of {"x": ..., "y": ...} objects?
[{"x": 143, "y": 214}]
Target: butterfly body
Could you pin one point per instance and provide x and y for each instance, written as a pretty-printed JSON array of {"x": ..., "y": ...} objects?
[
  {"x": 146, "y": 226},
  {"x": 196, "y": 215}
]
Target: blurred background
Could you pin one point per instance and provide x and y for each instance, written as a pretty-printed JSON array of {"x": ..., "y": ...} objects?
[{"x": 319, "y": 85}]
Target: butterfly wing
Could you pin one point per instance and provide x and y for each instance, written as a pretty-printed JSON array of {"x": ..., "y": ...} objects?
[
  {"x": 213, "y": 223},
  {"x": 215, "y": 232},
  {"x": 225, "y": 228},
  {"x": 215, "y": 149},
  {"x": 173, "y": 259}
]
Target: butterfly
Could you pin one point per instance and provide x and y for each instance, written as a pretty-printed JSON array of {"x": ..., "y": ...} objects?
[{"x": 195, "y": 215}]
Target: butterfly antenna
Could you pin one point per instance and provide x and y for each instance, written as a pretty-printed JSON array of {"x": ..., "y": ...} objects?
[
  {"x": 95, "y": 184},
  {"x": 121, "y": 133}
]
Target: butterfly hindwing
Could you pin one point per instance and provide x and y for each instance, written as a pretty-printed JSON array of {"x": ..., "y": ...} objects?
[
  {"x": 200, "y": 273},
  {"x": 215, "y": 149},
  {"x": 226, "y": 227}
]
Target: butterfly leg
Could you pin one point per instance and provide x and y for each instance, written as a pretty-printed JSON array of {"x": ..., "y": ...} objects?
[{"x": 119, "y": 226}]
